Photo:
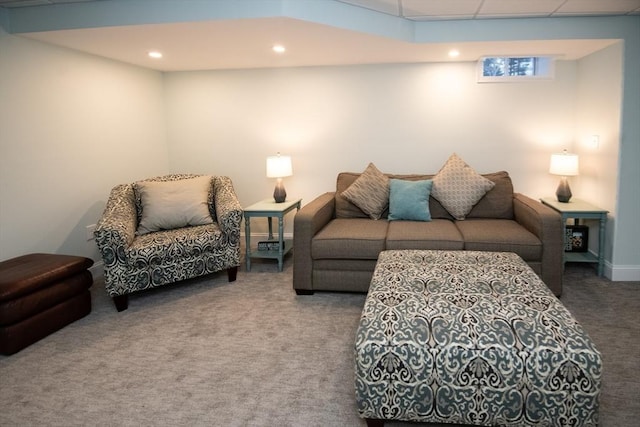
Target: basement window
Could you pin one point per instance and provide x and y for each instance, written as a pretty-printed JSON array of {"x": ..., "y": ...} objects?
[{"x": 514, "y": 68}]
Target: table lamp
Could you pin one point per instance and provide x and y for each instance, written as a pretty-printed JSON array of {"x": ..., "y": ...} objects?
[
  {"x": 279, "y": 167},
  {"x": 564, "y": 164}
]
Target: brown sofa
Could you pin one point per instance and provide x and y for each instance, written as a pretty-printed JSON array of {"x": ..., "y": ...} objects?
[{"x": 336, "y": 245}]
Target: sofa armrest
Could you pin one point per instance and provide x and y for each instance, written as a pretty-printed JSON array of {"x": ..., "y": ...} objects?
[
  {"x": 117, "y": 227},
  {"x": 546, "y": 224},
  {"x": 307, "y": 222},
  {"x": 228, "y": 209}
]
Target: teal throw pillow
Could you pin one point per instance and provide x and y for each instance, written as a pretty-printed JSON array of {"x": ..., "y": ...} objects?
[{"x": 409, "y": 200}]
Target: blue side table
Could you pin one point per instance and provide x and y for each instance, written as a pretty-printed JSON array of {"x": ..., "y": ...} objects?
[
  {"x": 579, "y": 209},
  {"x": 269, "y": 209}
]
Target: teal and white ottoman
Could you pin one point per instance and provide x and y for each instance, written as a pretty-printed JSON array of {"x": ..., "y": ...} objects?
[{"x": 471, "y": 338}]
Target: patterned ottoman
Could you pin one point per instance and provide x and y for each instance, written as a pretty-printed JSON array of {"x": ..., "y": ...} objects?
[{"x": 471, "y": 338}]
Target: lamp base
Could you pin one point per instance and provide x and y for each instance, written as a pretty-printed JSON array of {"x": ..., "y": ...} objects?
[
  {"x": 279, "y": 193},
  {"x": 563, "y": 193}
]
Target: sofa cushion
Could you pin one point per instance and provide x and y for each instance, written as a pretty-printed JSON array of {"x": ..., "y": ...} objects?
[
  {"x": 409, "y": 200},
  {"x": 500, "y": 235},
  {"x": 168, "y": 205},
  {"x": 344, "y": 208},
  {"x": 458, "y": 187},
  {"x": 498, "y": 202},
  {"x": 350, "y": 238},
  {"x": 435, "y": 207},
  {"x": 436, "y": 234},
  {"x": 369, "y": 192}
]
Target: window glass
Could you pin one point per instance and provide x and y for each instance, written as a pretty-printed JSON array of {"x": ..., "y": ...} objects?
[{"x": 503, "y": 68}]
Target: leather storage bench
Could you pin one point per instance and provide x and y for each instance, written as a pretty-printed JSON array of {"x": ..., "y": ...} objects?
[
  {"x": 39, "y": 294},
  {"x": 470, "y": 337}
]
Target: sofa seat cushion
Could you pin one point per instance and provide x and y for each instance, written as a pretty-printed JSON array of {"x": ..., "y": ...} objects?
[
  {"x": 500, "y": 235},
  {"x": 437, "y": 234},
  {"x": 171, "y": 246},
  {"x": 350, "y": 238}
]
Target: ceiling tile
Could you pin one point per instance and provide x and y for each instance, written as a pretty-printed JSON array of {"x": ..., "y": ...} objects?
[
  {"x": 439, "y": 17},
  {"x": 519, "y": 7},
  {"x": 391, "y": 7},
  {"x": 598, "y": 6},
  {"x": 23, "y": 3},
  {"x": 442, "y": 9}
]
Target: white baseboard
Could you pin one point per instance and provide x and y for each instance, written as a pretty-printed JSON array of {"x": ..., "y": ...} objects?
[
  {"x": 622, "y": 273},
  {"x": 615, "y": 273},
  {"x": 97, "y": 270}
]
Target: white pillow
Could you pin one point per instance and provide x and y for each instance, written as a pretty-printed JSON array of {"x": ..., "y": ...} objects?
[{"x": 173, "y": 204}]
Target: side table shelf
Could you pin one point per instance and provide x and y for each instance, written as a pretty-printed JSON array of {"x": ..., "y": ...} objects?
[
  {"x": 578, "y": 209},
  {"x": 269, "y": 209}
]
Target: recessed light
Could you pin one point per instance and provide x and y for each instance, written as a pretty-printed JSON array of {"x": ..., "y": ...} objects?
[
  {"x": 155, "y": 54},
  {"x": 453, "y": 53},
  {"x": 279, "y": 48}
]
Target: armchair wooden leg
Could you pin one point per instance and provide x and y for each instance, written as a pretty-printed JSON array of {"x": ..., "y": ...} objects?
[
  {"x": 232, "y": 273},
  {"x": 121, "y": 302}
]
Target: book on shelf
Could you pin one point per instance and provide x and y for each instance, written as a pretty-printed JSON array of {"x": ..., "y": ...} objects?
[{"x": 269, "y": 245}]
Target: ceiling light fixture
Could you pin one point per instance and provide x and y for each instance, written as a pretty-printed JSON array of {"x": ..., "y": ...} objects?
[
  {"x": 454, "y": 53},
  {"x": 279, "y": 48},
  {"x": 154, "y": 54}
]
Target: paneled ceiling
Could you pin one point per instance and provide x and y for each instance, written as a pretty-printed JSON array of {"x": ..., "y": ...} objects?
[
  {"x": 453, "y": 9},
  {"x": 246, "y": 43},
  {"x": 423, "y": 10}
]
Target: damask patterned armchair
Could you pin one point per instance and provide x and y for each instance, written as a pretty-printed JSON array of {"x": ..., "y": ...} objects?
[{"x": 137, "y": 258}]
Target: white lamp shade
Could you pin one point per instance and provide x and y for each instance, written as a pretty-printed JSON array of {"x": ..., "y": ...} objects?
[
  {"x": 564, "y": 164},
  {"x": 279, "y": 166}
]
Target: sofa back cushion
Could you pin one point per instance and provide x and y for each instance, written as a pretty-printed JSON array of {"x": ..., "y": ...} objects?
[{"x": 497, "y": 203}]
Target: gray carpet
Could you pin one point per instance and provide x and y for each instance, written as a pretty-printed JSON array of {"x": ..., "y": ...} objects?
[{"x": 252, "y": 353}]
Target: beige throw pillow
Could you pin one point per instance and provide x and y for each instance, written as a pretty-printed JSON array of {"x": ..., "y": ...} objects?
[
  {"x": 173, "y": 204},
  {"x": 458, "y": 187},
  {"x": 370, "y": 192}
]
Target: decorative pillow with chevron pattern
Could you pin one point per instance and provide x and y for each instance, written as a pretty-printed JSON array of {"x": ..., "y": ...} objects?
[
  {"x": 370, "y": 192},
  {"x": 458, "y": 187}
]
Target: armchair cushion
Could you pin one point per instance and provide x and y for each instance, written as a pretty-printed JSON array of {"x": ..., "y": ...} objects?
[{"x": 168, "y": 205}]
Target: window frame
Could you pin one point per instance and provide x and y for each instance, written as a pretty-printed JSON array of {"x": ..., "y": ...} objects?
[{"x": 544, "y": 69}]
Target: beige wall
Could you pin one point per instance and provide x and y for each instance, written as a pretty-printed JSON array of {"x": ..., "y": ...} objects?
[
  {"x": 598, "y": 103},
  {"x": 71, "y": 127},
  {"x": 405, "y": 118}
]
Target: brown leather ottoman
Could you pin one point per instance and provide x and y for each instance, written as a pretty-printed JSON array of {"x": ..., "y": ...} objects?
[{"x": 39, "y": 294}]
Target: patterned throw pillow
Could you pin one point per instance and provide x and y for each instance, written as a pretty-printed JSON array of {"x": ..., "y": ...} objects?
[
  {"x": 458, "y": 187},
  {"x": 370, "y": 192}
]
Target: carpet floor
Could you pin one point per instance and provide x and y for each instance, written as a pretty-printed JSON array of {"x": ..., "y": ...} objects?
[{"x": 252, "y": 353}]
